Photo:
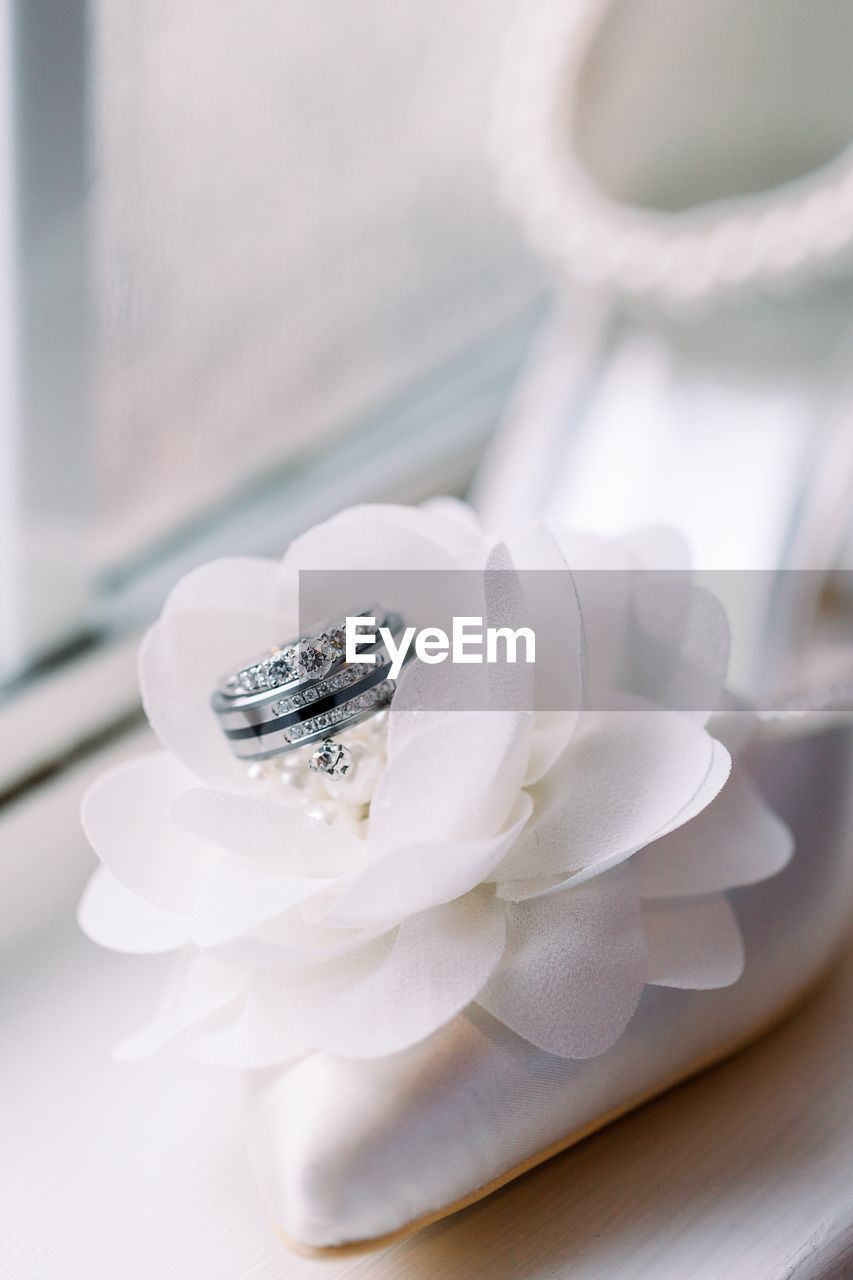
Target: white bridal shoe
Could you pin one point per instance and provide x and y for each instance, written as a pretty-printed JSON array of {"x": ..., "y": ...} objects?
[
  {"x": 541, "y": 923},
  {"x": 695, "y": 375},
  {"x": 352, "y": 1152}
]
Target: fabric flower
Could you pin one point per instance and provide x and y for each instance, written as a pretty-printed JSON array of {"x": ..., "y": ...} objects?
[{"x": 546, "y": 865}]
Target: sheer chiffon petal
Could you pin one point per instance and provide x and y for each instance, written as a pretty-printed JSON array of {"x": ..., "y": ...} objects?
[
  {"x": 574, "y": 967},
  {"x": 394, "y": 991},
  {"x": 414, "y": 877},
  {"x": 736, "y": 840},
  {"x": 270, "y": 837},
  {"x": 693, "y": 942},
  {"x": 125, "y": 814},
  {"x": 626, "y": 778},
  {"x": 115, "y": 917},
  {"x": 197, "y": 988},
  {"x": 456, "y": 784}
]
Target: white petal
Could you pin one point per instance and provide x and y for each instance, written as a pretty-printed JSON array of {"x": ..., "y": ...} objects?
[
  {"x": 601, "y": 569},
  {"x": 385, "y": 535},
  {"x": 692, "y": 942},
  {"x": 590, "y": 553},
  {"x": 270, "y": 837},
  {"x": 453, "y": 785},
  {"x": 461, "y": 516},
  {"x": 573, "y": 969},
  {"x": 181, "y": 660},
  {"x": 736, "y": 840},
  {"x": 237, "y": 584},
  {"x": 234, "y": 899},
  {"x": 244, "y": 1035},
  {"x": 294, "y": 941},
  {"x": 552, "y": 731},
  {"x": 368, "y": 552},
  {"x": 413, "y": 877},
  {"x": 679, "y": 644},
  {"x": 114, "y": 917},
  {"x": 734, "y": 723},
  {"x": 425, "y": 699},
  {"x": 508, "y": 685},
  {"x": 658, "y": 548},
  {"x": 125, "y": 814},
  {"x": 430, "y": 695},
  {"x": 197, "y": 988},
  {"x": 552, "y": 602},
  {"x": 395, "y": 991},
  {"x": 650, "y": 629},
  {"x": 717, "y": 775},
  {"x": 625, "y": 778},
  {"x": 520, "y": 890}
]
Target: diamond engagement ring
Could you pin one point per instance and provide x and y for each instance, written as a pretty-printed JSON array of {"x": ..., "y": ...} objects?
[
  {"x": 305, "y": 658},
  {"x": 303, "y": 691}
]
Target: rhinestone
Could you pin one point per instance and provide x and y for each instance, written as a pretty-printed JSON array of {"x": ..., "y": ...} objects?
[{"x": 331, "y": 759}]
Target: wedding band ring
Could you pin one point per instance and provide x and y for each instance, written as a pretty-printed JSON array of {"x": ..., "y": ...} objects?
[{"x": 307, "y": 708}]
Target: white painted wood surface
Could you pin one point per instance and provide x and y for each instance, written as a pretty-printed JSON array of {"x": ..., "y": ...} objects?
[{"x": 112, "y": 1172}]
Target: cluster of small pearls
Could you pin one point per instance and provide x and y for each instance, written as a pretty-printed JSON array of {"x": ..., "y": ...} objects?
[{"x": 342, "y": 802}]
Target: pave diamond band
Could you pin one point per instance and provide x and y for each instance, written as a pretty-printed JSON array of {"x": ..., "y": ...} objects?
[
  {"x": 304, "y": 658},
  {"x": 303, "y": 727}
]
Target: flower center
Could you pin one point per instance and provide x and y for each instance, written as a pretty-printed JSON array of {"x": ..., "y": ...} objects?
[{"x": 332, "y": 781}]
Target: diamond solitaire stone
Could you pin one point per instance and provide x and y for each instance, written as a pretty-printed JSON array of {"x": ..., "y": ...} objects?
[
  {"x": 312, "y": 659},
  {"x": 332, "y": 759}
]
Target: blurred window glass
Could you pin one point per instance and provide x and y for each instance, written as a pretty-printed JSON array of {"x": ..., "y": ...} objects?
[{"x": 292, "y": 229}]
